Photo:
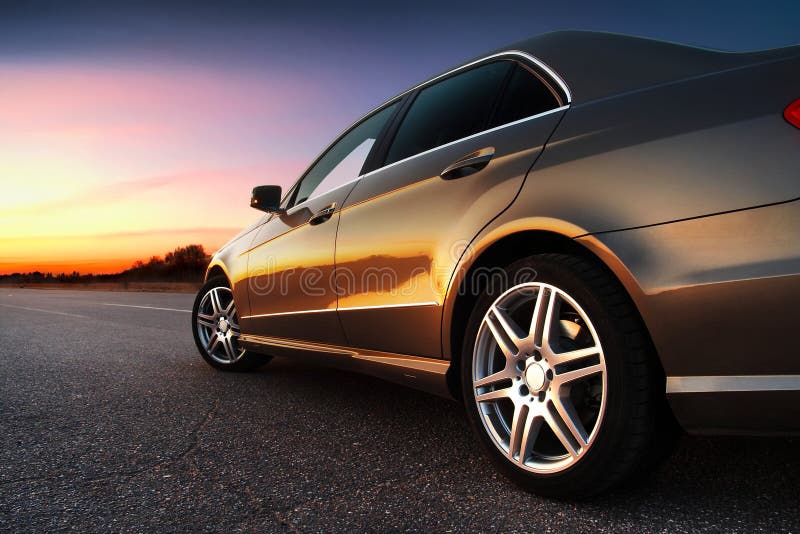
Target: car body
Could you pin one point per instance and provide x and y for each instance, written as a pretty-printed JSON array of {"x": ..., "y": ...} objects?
[{"x": 670, "y": 168}]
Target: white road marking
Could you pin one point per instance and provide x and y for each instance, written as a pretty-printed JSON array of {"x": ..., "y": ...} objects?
[
  {"x": 146, "y": 307},
  {"x": 46, "y": 311}
]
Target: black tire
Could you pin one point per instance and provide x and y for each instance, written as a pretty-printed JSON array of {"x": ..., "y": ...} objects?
[
  {"x": 635, "y": 400},
  {"x": 248, "y": 360}
]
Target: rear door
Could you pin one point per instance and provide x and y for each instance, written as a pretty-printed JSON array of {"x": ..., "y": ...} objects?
[
  {"x": 454, "y": 159},
  {"x": 291, "y": 263}
]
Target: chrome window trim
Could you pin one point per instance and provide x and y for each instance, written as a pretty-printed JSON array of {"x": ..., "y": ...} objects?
[
  {"x": 554, "y": 76},
  {"x": 350, "y": 308},
  {"x": 507, "y": 53},
  {"x": 732, "y": 383}
]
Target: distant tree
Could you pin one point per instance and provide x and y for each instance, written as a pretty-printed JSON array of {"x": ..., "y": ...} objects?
[
  {"x": 189, "y": 257},
  {"x": 182, "y": 264}
]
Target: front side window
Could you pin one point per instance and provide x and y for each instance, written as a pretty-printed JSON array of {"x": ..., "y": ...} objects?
[
  {"x": 456, "y": 107},
  {"x": 342, "y": 163}
]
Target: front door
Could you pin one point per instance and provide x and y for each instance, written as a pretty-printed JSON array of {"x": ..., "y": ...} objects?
[{"x": 291, "y": 263}]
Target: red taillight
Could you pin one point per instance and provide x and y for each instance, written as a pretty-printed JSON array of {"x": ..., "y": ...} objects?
[{"x": 792, "y": 113}]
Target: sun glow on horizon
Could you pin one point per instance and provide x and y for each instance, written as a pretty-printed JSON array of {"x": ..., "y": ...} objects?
[{"x": 103, "y": 165}]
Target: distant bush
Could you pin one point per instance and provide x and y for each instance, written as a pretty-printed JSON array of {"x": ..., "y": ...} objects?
[{"x": 184, "y": 264}]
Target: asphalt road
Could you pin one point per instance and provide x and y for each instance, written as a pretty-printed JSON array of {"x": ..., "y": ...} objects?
[{"x": 110, "y": 420}]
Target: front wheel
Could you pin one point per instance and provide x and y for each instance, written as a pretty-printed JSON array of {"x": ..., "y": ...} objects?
[
  {"x": 558, "y": 377},
  {"x": 215, "y": 324}
]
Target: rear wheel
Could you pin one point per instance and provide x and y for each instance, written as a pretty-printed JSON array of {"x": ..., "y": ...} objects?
[
  {"x": 559, "y": 379},
  {"x": 215, "y": 324}
]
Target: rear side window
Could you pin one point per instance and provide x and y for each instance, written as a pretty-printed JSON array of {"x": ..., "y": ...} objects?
[
  {"x": 456, "y": 107},
  {"x": 526, "y": 95}
]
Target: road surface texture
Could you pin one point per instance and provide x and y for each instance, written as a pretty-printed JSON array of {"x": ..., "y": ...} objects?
[{"x": 110, "y": 420}]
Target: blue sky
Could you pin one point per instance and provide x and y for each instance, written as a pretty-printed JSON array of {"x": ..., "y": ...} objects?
[{"x": 377, "y": 48}]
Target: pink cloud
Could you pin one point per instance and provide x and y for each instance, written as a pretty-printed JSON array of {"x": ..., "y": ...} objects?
[
  {"x": 45, "y": 96},
  {"x": 281, "y": 173}
]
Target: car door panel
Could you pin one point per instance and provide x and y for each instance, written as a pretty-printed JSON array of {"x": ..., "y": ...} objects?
[
  {"x": 399, "y": 240},
  {"x": 291, "y": 271},
  {"x": 291, "y": 264}
]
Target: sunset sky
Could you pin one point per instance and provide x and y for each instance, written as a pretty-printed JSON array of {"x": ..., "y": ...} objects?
[{"x": 127, "y": 130}]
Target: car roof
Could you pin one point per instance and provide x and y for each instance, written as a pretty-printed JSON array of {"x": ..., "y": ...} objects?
[{"x": 597, "y": 64}]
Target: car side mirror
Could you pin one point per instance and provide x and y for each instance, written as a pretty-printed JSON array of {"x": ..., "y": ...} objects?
[{"x": 267, "y": 198}]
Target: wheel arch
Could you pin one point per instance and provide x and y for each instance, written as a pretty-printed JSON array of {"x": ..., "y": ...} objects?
[
  {"x": 501, "y": 247},
  {"x": 216, "y": 268}
]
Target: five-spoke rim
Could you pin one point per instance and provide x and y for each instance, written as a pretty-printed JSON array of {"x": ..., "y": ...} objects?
[
  {"x": 539, "y": 377},
  {"x": 218, "y": 326}
]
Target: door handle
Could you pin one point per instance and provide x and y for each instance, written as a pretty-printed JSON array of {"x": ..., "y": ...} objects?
[
  {"x": 322, "y": 215},
  {"x": 469, "y": 164}
]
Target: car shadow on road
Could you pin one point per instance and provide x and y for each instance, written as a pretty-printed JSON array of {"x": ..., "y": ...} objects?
[{"x": 754, "y": 479}]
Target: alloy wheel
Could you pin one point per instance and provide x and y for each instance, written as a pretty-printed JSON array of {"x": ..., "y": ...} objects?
[
  {"x": 539, "y": 378},
  {"x": 218, "y": 326}
]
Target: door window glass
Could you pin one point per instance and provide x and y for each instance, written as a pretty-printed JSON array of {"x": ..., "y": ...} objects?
[
  {"x": 525, "y": 96},
  {"x": 342, "y": 163},
  {"x": 456, "y": 107}
]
